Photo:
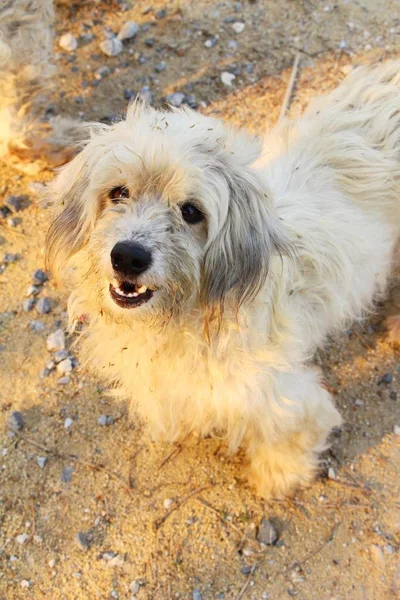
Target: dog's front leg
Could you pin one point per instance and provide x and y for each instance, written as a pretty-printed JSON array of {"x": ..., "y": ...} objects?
[{"x": 283, "y": 447}]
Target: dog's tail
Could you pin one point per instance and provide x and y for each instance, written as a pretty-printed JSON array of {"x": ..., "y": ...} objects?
[{"x": 355, "y": 130}]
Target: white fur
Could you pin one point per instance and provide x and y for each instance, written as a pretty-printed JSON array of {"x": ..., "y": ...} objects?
[{"x": 299, "y": 239}]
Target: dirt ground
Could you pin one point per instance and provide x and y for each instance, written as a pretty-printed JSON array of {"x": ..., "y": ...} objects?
[{"x": 100, "y": 511}]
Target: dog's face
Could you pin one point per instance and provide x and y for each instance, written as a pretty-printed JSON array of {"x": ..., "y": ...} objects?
[{"x": 165, "y": 213}]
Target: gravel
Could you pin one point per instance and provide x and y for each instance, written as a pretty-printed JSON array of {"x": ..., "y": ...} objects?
[
  {"x": 227, "y": 78},
  {"x": 56, "y": 341},
  {"x": 32, "y": 290},
  {"x": 238, "y": 27},
  {"x": 15, "y": 421},
  {"x": 64, "y": 367},
  {"x": 22, "y": 538},
  {"x": 82, "y": 541},
  {"x": 102, "y": 72},
  {"x": 28, "y": 305},
  {"x": 387, "y": 378},
  {"x": 37, "y": 326},
  {"x": 10, "y": 258},
  {"x": 161, "y": 66},
  {"x": 67, "y": 423},
  {"x": 41, "y": 461},
  {"x": 128, "y": 31},
  {"x": 175, "y": 99},
  {"x": 168, "y": 502},
  {"x": 60, "y": 355},
  {"x": 66, "y": 474},
  {"x": 64, "y": 380},
  {"x": 111, "y": 46},
  {"x": 17, "y": 203},
  {"x": 39, "y": 277},
  {"x": 396, "y": 430},
  {"x": 197, "y": 595},
  {"x": 43, "y": 306},
  {"x": 68, "y": 42},
  {"x": 267, "y": 533},
  {"x": 105, "y": 420}
]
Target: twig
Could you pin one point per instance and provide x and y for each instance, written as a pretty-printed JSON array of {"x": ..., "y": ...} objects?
[
  {"x": 246, "y": 585},
  {"x": 307, "y": 557},
  {"x": 290, "y": 87},
  {"x": 161, "y": 520},
  {"x": 218, "y": 513}
]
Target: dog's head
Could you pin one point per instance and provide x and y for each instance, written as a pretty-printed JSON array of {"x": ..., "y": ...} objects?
[{"x": 165, "y": 213}]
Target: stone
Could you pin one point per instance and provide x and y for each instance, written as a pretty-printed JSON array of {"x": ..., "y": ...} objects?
[
  {"x": 82, "y": 541},
  {"x": 227, "y": 78},
  {"x": 41, "y": 461},
  {"x": 68, "y": 422},
  {"x": 10, "y": 258},
  {"x": 33, "y": 290},
  {"x": 111, "y": 46},
  {"x": 128, "y": 31},
  {"x": 66, "y": 474},
  {"x": 168, "y": 503},
  {"x": 56, "y": 341},
  {"x": 52, "y": 563},
  {"x": 17, "y": 203},
  {"x": 43, "y": 306},
  {"x": 102, "y": 72},
  {"x": 331, "y": 473},
  {"x": 387, "y": 378},
  {"x": 116, "y": 561},
  {"x": 238, "y": 27},
  {"x": 105, "y": 420},
  {"x": 267, "y": 533},
  {"x": 4, "y": 212},
  {"x": 161, "y": 14},
  {"x": 39, "y": 277},
  {"x": 64, "y": 380},
  {"x": 396, "y": 430},
  {"x": 60, "y": 355},
  {"x": 25, "y": 583},
  {"x": 161, "y": 66},
  {"x": 210, "y": 43},
  {"x": 68, "y": 42},
  {"x": 15, "y": 421},
  {"x": 28, "y": 305},
  {"x": 64, "y": 367},
  {"x": 175, "y": 99},
  {"x": 37, "y": 326},
  {"x": 21, "y": 539}
]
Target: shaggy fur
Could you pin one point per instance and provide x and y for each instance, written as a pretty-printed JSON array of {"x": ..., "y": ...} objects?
[
  {"x": 26, "y": 77},
  {"x": 298, "y": 239}
]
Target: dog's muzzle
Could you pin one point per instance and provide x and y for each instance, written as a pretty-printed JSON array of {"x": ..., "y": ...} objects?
[{"x": 129, "y": 260}]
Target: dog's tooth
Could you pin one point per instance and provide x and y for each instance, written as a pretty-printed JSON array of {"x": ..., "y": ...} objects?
[
  {"x": 142, "y": 289},
  {"x": 135, "y": 294}
]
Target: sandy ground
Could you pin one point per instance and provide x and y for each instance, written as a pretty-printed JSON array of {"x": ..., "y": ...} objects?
[{"x": 161, "y": 522}]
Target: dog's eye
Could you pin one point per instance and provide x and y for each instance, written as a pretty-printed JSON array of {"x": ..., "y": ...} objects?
[
  {"x": 118, "y": 193},
  {"x": 191, "y": 213}
]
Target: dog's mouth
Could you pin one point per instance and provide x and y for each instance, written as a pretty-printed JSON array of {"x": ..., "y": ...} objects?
[{"x": 130, "y": 295}]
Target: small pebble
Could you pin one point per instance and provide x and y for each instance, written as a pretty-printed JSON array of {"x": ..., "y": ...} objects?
[
  {"x": 161, "y": 66},
  {"x": 175, "y": 99},
  {"x": 161, "y": 14},
  {"x": 387, "y": 378},
  {"x": 128, "y": 31},
  {"x": 52, "y": 563},
  {"x": 65, "y": 366},
  {"x": 68, "y": 42},
  {"x": 4, "y": 212},
  {"x": 197, "y": 595},
  {"x": 16, "y": 421},
  {"x": 25, "y": 583},
  {"x": 37, "y": 326},
  {"x": 60, "y": 355},
  {"x": 39, "y": 277},
  {"x": 64, "y": 380},
  {"x": 134, "y": 587},
  {"x": 28, "y": 305},
  {"x": 38, "y": 539},
  {"x": 238, "y": 27},
  {"x": 393, "y": 395},
  {"x": 17, "y": 203},
  {"x": 146, "y": 95},
  {"x": 102, "y": 72},
  {"x": 33, "y": 290},
  {"x": 267, "y": 533},
  {"x": 211, "y": 42},
  {"x": 116, "y": 561},
  {"x": 56, "y": 341},
  {"x": 21, "y": 539},
  {"x": 111, "y": 46},
  {"x": 168, "y": 502},
  {"x": 396, "y": 430},
  {"x": 10, "y": 258},
  {"x": 66, "y": 474},
  {"x": 43, "y": 306},
  {"x": 68, "y": 422},
  {"x": 105, "y": 420},
  {"x": 41, "y": 461},
  {"x": 227, "y": 78},
  {"x": 246, "y": 570},
  {"x": 331, "y": 473},
  {"x": 358, "y": 402},
  {"x": 82, "y": 541}
]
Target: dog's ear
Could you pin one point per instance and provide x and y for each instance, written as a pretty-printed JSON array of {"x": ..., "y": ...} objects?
[
  {"x": 237, "y": 260},
  {"x": 67, "y": 197}
]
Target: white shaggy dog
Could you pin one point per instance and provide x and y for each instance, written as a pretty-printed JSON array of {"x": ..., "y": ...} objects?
[{"x": 211, "y": 269}]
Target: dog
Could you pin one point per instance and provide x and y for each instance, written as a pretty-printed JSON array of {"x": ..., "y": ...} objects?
[
  {"x": 27, "y": 74},
  {"x": 211, "y": 267}
]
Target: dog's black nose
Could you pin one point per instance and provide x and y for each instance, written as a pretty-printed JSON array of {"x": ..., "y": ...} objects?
[{"x": 129, "y": 258}]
